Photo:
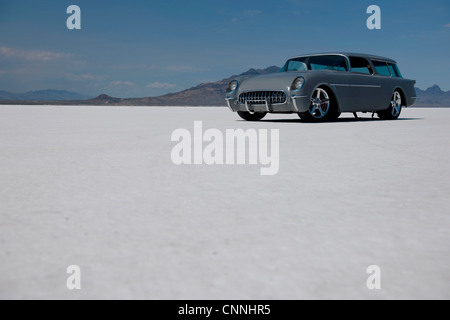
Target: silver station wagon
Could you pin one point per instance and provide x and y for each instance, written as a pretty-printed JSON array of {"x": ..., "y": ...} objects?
[{"x": 319, "y": 87}]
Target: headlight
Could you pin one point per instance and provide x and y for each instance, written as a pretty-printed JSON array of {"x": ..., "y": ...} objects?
[
  {"x": 298, "y": 83},
  {"x": 232, "y": 86}
]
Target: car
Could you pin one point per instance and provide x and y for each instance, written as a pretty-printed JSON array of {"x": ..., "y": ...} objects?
[{"x": 319, "y": 87}]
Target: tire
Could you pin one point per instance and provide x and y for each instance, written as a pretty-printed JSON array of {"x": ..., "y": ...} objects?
[
  {"x": 395, "y": 108},
  {"x": 252, "y": 116},
  {"x": 334, "y": 115},
  {"x": 322, "y": 107}
]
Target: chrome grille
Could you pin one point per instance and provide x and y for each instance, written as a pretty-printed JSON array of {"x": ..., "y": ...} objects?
[{"x": 260, "y": 97}]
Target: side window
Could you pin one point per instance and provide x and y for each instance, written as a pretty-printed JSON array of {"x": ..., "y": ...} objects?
[
  {"x": 394, "y": 70},
  {"x": 336, "y": 63},
  {"x": 360, "y": 65},
  {"x": 382, "y": 68}
]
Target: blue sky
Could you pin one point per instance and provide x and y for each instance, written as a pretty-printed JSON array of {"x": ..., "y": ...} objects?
[{"x": 144, "y": 48}]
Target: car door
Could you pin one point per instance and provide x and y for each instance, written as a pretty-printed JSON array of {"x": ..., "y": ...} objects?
[
  {"x": 364, "y": 86},
  {"x": 340, "y": 81},
  {"x": 334, "y": 71},
  {"x": 385, "y": 78}
]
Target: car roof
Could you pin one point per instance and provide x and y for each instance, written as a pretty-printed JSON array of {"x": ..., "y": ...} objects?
[{"x": 349, "y": 54}]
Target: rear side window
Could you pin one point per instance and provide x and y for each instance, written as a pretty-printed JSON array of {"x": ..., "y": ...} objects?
[
  {"x": 394, "y": 70},
  {"x": 381, "y": 68},
  {"x": 360, "y": 65}
]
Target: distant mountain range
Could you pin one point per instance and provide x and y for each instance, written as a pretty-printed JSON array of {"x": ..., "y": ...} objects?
[
  {"x": 205, "y": 94},
  {"x": 432, "y": 97},
  {"x": 43, "y": 95}
]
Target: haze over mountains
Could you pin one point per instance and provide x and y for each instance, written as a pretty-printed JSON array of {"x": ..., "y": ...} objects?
[
  {"x": 42, "y": 95},
  {"x": 205, "y": 94},
  {"x": 432, "y": 97}
]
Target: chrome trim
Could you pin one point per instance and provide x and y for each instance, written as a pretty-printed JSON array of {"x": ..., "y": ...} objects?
[
  {"x": 295, "y": 101},
  {"x": 365, "y": 86},
  {"x": 247, "y": 91},
  {"x": 247, "y": 107},
  {"x": 413, "y": 97},
  {"x": 266, "y": 103},
  {"x": 229, "y": 103},
  {"x": 357, "y": 85}
]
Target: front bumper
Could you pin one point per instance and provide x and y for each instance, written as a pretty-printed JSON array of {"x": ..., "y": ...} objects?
[{"x": 293, "y": 104}]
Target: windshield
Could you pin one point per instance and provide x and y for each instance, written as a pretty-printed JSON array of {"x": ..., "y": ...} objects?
[{"x": 331, "y": 62}]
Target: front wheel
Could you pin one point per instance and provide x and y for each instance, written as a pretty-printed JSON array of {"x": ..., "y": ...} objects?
[
  {"x": 321, "y": 108},
  {"x": 252, "y": 116},
  {"x": 395, "y": 108}
]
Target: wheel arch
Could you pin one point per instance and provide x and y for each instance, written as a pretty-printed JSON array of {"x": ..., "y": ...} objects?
[
  {"x": 402, "y": 94},
  {"x": 331, "y": 91}
]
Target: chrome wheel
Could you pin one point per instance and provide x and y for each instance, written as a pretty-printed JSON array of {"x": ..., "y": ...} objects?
[
  {"x": 320, "y": 104},
  {"x": 396, "y": 104},
  {"x": 394, "y": 109}
]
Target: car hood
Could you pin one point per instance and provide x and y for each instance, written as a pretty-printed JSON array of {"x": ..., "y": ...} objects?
[{"x": 273, "y": 81}]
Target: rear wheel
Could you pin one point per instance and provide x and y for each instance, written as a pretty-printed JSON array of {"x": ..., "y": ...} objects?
[
  {"x": 395, "y": 108},
  {"x": 252, "y": 116},
  {"x": 321, "y": 108}
]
